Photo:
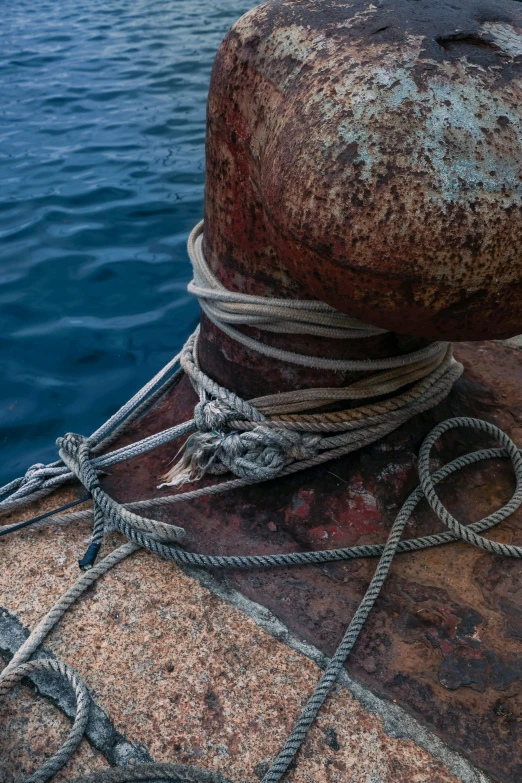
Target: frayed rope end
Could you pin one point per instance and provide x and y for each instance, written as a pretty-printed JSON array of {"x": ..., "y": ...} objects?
[{"x": 199, "y": 455}]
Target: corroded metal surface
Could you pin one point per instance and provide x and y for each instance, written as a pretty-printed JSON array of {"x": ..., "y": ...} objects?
[
  {"x": 250, "y": 374},
  {"x": 373, "y": 152},
  {"x": 445, "y": 638}
]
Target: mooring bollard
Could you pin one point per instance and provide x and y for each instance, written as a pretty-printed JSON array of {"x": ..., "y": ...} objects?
[{"x": 368, "y": 154}]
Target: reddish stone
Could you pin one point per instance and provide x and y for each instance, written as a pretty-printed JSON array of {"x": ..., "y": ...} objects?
[{"x": 444, "y": 639}]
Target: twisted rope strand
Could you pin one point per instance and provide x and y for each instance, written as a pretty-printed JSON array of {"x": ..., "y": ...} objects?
[
  {"x": 290, "y": 316},
  {"x": 55, "y": 763}
]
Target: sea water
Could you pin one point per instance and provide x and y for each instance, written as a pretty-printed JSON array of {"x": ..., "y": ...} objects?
[{"x": 102, "y": 129}]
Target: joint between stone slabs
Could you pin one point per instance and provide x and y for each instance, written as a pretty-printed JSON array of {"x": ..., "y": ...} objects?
[
  {"x": 100, "y": 732},
  {"x": 118, "y": 751},
  {"x": 397, "y": 723}
]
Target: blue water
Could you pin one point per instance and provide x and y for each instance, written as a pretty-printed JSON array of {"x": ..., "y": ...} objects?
[{"x": 102, "y": 128}]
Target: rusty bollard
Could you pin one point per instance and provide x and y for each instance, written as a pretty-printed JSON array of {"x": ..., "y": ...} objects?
[{"x": 369, "y": 154}]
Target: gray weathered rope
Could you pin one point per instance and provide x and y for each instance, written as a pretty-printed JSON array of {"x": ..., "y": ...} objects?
[
  {"x": 40, "y": 480},
  {"x": 257, "y": 440},
  {"x": 48, "y": 622},
  {"x": 77, "y": 455},
  {"x": 367, "y": 550},
  {"x": 176, "y": 773},
  {"x": 8, "y": 679},
  {"x": 254, "y": 456},
  {"x": 245, "y": 443},
  {"x": 269, "y": 451}
]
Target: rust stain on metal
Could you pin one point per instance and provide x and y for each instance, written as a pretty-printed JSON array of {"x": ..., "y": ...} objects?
[
  {"x": 372, "y": 151},
  {"x": 445, "y": 637}
]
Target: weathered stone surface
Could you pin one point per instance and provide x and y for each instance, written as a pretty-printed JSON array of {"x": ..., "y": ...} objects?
[
  {"x": 194, "y": 679},
  {"x": 444, "y": 639},
  {"x": 31, "y": 730}
]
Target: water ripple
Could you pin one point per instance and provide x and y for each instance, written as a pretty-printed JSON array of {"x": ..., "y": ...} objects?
[{"x": 102, "y": 125}]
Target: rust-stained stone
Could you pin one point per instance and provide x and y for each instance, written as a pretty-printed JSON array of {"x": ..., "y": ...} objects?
[
  {"x": 444, "y": 638},
  {"x": 31, "y": 730},
  {"x": 194, "y": 679}
]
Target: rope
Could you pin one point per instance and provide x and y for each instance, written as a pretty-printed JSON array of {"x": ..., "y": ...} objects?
[
  {"x": 152, "y": 772},
  {"x": 387, "y": 552},
  {"x": 40, "y": 480},
  {"x": 266, "y": 437},
  {"x": 9, "y": 679},
  {"x": 235, "y": 436},
  {"x": 257, "y": 440},
  {"x": 286, "y": 316}
]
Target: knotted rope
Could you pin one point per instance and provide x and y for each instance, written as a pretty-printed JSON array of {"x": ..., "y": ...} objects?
[
  {"x": 256, "y": 440},
  {"x": 237, "y": 436}
]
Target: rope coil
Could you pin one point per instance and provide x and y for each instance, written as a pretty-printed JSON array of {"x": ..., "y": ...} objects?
[
  {"x": 257, "y": 440},
  {"x": 288, "y": 316},
  {"x": 12, "y": 675}
]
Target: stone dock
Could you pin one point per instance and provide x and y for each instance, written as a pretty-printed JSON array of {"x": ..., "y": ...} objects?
[{"x": 213, "y": 669}]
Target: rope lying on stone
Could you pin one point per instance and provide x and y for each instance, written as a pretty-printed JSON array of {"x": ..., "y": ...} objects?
[
  {"x": 256, "y": 440},
  {"x": 11, "y": 676},
  {"x": 75, "y": 450}
]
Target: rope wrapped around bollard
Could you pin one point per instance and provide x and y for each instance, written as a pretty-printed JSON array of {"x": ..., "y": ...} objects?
[{"x": 257, "y": 440}]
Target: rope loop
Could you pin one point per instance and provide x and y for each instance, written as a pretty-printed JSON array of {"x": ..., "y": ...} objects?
[
  {"x": 32, "y": 481},
  {"x": 465, "y": 532},
  {"x": 12, "y": 676},
  {"x": 35, "y": 472}
]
